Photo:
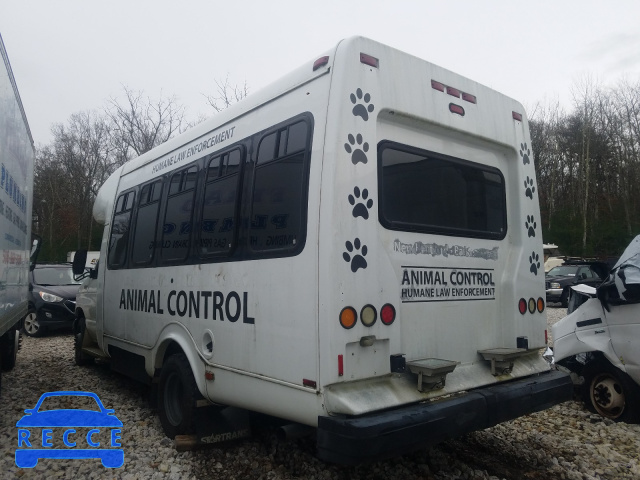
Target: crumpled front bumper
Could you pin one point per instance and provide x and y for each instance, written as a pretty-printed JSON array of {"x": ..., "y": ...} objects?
[{"x": 352, "y": 440}]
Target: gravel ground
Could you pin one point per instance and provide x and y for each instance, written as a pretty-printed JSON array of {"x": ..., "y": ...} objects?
[{"x": 565, "y": 442}]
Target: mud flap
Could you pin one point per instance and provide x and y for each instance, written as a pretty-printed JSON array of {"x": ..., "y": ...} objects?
[{"x": 214, "y": 426}]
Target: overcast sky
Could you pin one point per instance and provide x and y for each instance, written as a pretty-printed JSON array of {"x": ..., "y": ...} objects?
[{"x": 73, "y": 55}]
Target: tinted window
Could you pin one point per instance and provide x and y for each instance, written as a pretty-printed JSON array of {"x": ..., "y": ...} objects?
[
  {"x": 119, "y": 238},
  {"x": 177, "y": 226},
  {"x": 279, "y": 203},
  {"x": 145, "y": 225},
  {"x": 219, "y": 211},
  {"x": 427, "y": 192}
]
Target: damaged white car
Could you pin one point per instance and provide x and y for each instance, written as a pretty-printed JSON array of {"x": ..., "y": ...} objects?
[{"x": 599, "y": 340}]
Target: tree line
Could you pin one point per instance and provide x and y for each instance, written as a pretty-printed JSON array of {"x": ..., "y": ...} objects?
[
  {"x": 88, "y": 148},
  {"x": 588, "y": 167},
  {"x": 587, "y": 164}
]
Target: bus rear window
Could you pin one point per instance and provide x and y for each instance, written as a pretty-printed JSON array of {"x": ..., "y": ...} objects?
[{"x": 427, "y": 192}]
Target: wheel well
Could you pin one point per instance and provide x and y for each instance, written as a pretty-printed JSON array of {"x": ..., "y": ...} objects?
[
  {"x": 578, "y": 363},
  {"x": 164, "y": 352}
]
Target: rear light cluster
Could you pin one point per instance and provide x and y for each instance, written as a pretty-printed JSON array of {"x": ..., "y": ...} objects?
[
  {"x": 454, "y": 92},
  {"x": 532, "y": 305},
  {"x": 368, "y": 315}
]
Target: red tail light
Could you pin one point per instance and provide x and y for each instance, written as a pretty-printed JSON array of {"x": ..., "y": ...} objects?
[
  {"x": 522, "y": 306},
  {"x": 387, "y": 314}
]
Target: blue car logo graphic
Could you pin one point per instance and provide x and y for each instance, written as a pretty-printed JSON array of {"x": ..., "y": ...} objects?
[{"x": 40, "y": 426}]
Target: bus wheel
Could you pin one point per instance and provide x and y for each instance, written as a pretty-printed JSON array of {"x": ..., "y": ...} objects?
[
  {"x": 177, "y": 394},
  {"x": 611, "y": 393},
  {"x": 81, "y": 358}
]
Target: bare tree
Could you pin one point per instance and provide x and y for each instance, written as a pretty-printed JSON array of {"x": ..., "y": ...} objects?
[
  {"x": 227, "y": 94},
  {"x": 140, "y": 123}
]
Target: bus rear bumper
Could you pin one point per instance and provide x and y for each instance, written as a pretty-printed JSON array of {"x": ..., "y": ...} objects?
[{"x": 395, "y": 432}]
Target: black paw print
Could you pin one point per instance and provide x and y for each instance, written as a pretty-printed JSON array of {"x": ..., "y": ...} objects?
[
  {"x": 358, "y": 155},
  {"x": 529, "y": 188},
  {"x": 358, "y": 260},
  {"x": 534, "y": 260},
  {"x": 361, "y": 209},
  {"x": 530, "y": 225},
  {"x": 359, "y": 110},
  {"x": 524, "y": 153}
]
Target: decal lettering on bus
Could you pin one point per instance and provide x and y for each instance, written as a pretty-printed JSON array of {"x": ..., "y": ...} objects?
[
  {"x": 205, "y": 304},
  {"x": 433, "y": 249},
  {"x": 426, "y": 284},
  {"x": 200, "y": 147}
]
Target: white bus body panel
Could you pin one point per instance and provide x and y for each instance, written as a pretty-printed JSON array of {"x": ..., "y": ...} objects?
[{"x": 285, "y": 362}]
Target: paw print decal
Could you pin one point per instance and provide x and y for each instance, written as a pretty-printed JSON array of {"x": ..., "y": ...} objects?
[
  {"x": 357, "y": 153},
  {"x": 530, "y": 225},
  {"x": 360, "y": 108},
  {"x": 360, "y": 209},
  {"x": 524, "y": 153},
  {"x": 529, "y": 188},
  {"x": 355, "y": 254},
  {"x": 534, "y": 260}
]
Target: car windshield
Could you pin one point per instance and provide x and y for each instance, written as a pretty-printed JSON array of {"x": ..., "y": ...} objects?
[
  {"x": 69, "y": 402},
  {"x": 563, "y": 270},
  {"x": 54, "y": 276}
]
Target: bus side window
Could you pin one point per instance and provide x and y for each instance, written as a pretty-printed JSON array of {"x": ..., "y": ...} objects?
[
  {"x": 176, "y": 230},
  {"x": 144, "y": 230},
  {"x": 219, "y": 212},
  {"x": 119, "y": 239},
  {"x": 279, "y": 202}
]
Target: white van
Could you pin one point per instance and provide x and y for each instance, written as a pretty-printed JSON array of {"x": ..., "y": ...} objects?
[{"x": 355, "y": 248}]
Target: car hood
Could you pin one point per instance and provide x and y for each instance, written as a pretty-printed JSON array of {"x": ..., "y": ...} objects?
[
  {"x": 68, "y": 292},
  {"x": 557, "y": 278},
  {"x": 69, "y": 418}
]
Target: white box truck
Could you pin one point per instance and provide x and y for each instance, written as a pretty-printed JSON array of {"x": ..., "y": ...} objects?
[{"x": 17, "y": 156}]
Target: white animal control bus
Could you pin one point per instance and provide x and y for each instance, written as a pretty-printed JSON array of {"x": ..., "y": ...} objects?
[{"x": 356, "y": 248}]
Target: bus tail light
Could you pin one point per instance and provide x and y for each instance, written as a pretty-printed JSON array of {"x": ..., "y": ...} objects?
[
  {"x": 453, "y": 92},
  {"x": 348, "y": 317},
  {"x": 522, "y": 306},
  {"x": 453, "y": 108},
  {"x": 369, "y": 60},
  {"x": 321, "y": 62},
  {"x": 387, "y": 314},
  {"x": 469, "y": 98},
  {"x": 368, "y": 315},
  {"x": 437, "y": 86},
  {"x": 340, "y": 365},
  {"x": 532, "y": 305},
  {"x": 516, "y": 116},
  {"x": 540, "y": 305},
  {"x": 546, "y": 337}
]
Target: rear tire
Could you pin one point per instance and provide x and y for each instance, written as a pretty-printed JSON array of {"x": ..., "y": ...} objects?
[
  {"x": 177, "y": 395},
  {"x": 611, "y": 393}
]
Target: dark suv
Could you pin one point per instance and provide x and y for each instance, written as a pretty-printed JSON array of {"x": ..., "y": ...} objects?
[
  {"x": 52, "y": 298},
  {"x": 559, "y": 279}
]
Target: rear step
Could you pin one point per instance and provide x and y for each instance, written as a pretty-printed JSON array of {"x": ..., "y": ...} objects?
[{"x": 502, "y": 358}]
